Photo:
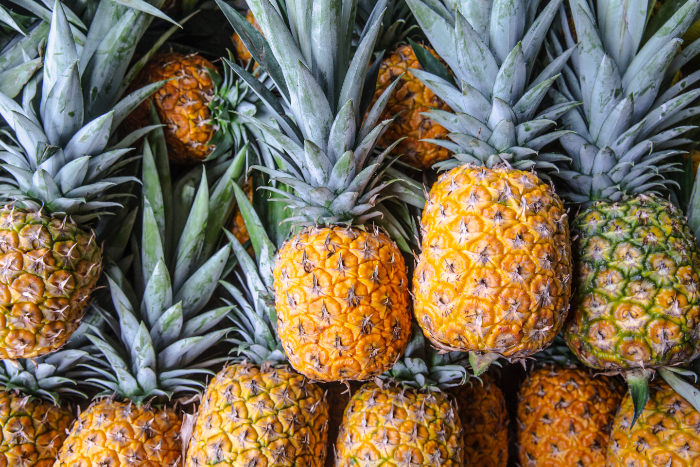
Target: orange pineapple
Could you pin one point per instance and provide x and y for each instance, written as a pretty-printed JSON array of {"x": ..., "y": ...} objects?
[{"x": 242, "y": 52}]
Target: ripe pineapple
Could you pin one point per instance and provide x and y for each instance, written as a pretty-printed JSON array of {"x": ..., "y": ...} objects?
[
  {"x": 284, "y": 415},
  {"x": 637, "y": 303},
  {"x": 237, "y": 223},
  {"x": 59, "y": 165},
  {"x": 493, "y": 275},
  {"x": 33, "y": 417},
  {"x": 665, "y": 434},
  {"x": 412, "y": 98},
  {"x": 162, "y": 329},
  {"x": 242, "y": 52},
  {"x": 341, "y": 290},
  {"x": 482, "y": 411},
  {"x": 565, "y": 416},
  {"x": 406, "y": 419}
]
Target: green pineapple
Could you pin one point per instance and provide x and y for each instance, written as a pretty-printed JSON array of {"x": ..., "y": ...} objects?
[{"x": 636, "y": 304}]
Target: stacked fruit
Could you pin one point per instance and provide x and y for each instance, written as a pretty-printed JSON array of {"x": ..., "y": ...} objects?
[{"x": 205, "y": 256}]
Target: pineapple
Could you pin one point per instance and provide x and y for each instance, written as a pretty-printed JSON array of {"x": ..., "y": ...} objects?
[
  {"x": 237, "y": 224},
  {"x": 258, "y": 396},
  {"x": 159, "y": 321},
  {"x": 405, "y": 418},
  {"x": 195, "y": 104},
  {"x": 493, "y": 275},
  {"x": 665, "y": 434},
  {"x": 482, "y": 411},
  {"x": 33, "y": 416},
  {"x": 565, "y": 415},
  {"x": 412, "y": 98},
  {"x": 61, "y": 168},
  {"x": 242, "y": 53},
  {"x": 637, "y": 300},
  {"x": 341, "y": 289}
]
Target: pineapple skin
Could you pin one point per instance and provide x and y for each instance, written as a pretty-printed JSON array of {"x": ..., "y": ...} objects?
[
  {"x": 48, "y": 268},
  {"x": 411, "y": 97},
  {"x": 252, "y": 415},
  {"x": 666, "y": 434},
  {"x": 240, "y": 49},
  {"x": 493, "y": 274},
  {"x": 182, "y": 104},
  {"x": 342, "y": 302},
  {"x": 33, "y": 430},
  {"x": 565, "y": 417},
  {"x": 482, "y": 411},
  {"x": 400, "y": 426},
  {"x": 237, "y": 224},
  {"x": 637, "y": 303},
  {"x": 123, "y": 434}
]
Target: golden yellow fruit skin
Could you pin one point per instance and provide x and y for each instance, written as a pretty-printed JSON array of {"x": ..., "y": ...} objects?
[
  {"x": 494, "y": 271},
  {"x": 666, "y": 433},
  {"x": 482, "y": 411},
  {"x": 242, "y": 52},
  {"x": 121, "y": 434},
  {"x": 399, "y": 426},
  {"x": 182, "y": 104},
  {"x": 260, "y": 417},
  {"x": 32, "y": 430},
  {"x": 411, "y": 97},
  {"x": 237, "y": 224},
  {"x": 565, "y": 416},
  {"x": 48, "y": 269},
  {"x": 342, "y": 303}
]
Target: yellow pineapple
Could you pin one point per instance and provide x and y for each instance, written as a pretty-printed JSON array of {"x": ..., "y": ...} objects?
[
  {"x": 182, "y": 104},
  {"x": 482, "y": 411},
  {"x": 258, "y": 410},
  {"x": 565, "y": 416},
  {"x": 341, "y": 286},
  {"x": 493, "y": 277},
  {"x": 412, "y": 98},
  {"x": 665, "y": 434}
]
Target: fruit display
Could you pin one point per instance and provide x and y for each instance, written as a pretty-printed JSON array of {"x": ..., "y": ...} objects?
[{"x": 349, "y": 233}]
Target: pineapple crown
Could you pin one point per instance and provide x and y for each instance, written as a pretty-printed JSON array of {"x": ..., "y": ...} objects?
[
  {"x": 324, "y": 151},
  {"x": 491, "y": 48},
  {"x": 161, "y": 326},
  {"x": 423, "y": 367},
  {"x": 255, "y": 318},
  {"x": 60, "y": 156},
  {"x": 398, "y": 23},
  {"x": 627, "y": 126}
]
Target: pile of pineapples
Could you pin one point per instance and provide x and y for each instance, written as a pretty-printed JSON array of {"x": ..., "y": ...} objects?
[{"x": 373, "y": 233}]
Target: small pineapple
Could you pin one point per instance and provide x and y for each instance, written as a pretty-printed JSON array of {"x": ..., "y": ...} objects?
[
  {"x": 482, "y": 411},
  {"x": 412, "y": 98},
  {"x": 565, "y": 416},
  {"x": 282, "y": 414},
  {"x": 61, "y": 161},
  {"x": 493, "y": 277},
  {"x": 162, "y": 329},
  {"x": 636, "y": 305},
  {"x": 665, "y": 434},
  {"x": 341, "y": 289},
  {"x": 242, "y": 53},
  {"x": 405, "y": 418}
]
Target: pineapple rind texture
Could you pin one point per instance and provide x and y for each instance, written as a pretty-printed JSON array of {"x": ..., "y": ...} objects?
[
  {"x": 123, "y": 434},
  {"x": 494, "y": 272},
  {"x": 400, "y": 426},
  {"x": 666, "y": 433},
  {"x": 252, "y": 415},
  {"x": 182, "y": 104},
  {"x": 342, "y": 303},
  {"x": 482, "y": 411},
  {"x": 32, "y": 430},
  {"x": 48, "y": 267},
  {"x": 638, "y": 303},
  {"x": 411, "y": 98},
  {"x": 565, "y": 416}
]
